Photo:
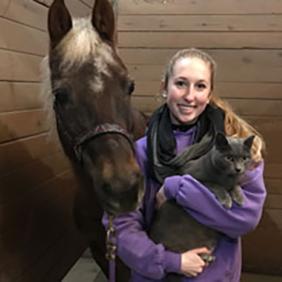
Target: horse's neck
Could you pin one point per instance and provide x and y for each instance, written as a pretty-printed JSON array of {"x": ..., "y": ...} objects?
[{"x": 139, "y": 124}]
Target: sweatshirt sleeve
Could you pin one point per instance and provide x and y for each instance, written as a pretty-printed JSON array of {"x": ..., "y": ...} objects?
[
  {"x": 201, "y": 203},
  {"x": 138, "y": 251}
]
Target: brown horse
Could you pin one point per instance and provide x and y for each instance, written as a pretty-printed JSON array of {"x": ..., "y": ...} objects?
[{"x": 96, "y": 124}]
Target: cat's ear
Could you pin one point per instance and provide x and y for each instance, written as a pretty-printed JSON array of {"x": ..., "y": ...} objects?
[
  {"x": 249, "y": 141},
  {"x": 221, "y": 141}
]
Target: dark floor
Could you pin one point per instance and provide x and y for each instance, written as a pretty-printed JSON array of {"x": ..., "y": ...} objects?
[{"x": 85, "y": 270}]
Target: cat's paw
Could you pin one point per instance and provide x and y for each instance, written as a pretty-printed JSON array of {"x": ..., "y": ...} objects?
[
  {"x": 226, "y": 202},
  {"x": 207, "y": 258},
  {"x": 237, "y": 196}
]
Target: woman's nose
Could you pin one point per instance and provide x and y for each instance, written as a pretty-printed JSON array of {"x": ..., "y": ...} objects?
[{"x": 189, "y": 93}]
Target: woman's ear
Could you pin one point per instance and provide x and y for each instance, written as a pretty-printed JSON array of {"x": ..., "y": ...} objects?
[{"x": 162, "y": 90}]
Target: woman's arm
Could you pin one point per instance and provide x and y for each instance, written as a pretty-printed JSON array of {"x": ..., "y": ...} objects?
[
  {"x": 138, "y": 251},
  {"x": 202, "y": 204}
]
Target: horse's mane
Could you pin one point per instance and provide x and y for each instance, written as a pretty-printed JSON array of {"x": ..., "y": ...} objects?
[{"x": 81, "y": 45}]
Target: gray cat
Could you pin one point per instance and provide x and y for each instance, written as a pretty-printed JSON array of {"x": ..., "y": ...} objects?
[{"x": 219, "y": 170}]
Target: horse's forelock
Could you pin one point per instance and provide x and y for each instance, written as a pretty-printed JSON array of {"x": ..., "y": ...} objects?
[{"x": 82, "y": 44}]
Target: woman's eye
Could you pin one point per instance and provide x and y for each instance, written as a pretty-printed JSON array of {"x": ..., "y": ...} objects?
[
  {"x": 180, "y": 84},
  {"x": 201, "y": 86}
]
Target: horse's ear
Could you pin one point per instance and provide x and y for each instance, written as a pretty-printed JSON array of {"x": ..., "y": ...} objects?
[
  {"x": 59, "y": 22},
  {"x": 103, "y": 19}
]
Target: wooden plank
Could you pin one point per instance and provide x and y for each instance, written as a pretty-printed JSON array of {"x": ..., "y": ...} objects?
[
  {"x": 19, "y": 67},
  {"x": 15, "y": 155},
  {"x": 273, "y": 170},
  {"x": 142, "y": 7},
  {"x": 267, "y": 108},
  {"x": 4, "y": 4},
  {"x": 249, "y": 90},
  {"x": 23, "y": 181},
  {"x": 223, "y": 89},
  {"x": 27, "y": 12},
  {"x": 200, "y": 23},
  {"x": 274, "y": 201},
  {"x": 19, "y": 96},
  {"x": 268, "y": 237},
  {"x": 77, "y": 8},
  {"x": 17, "y": 37},
  {"x": 273, "y": 186},
  {"x": 236, "y": 72},
  {"x": 200, "y": 39},
  {"x": 222, "y": 57},
  {"x": 16, "y": 125}
]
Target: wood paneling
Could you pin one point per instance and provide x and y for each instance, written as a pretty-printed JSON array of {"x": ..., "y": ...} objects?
[
  {"x": 28, "y": 13},
  {"x": 24, "y": 180},
  {"x": 17, "y": 96},
  {"x": 200, "y": 22},
  {"x": 4, "y": 4},
  {"x": 179, "y": 7},
  {"x": 17, "y": 37},
  {"x": 19, "y": 67},
  {"x": 228, "y": 73},
  {"x": 77, "y": 8},
  {"x": 223, "y": 57},
  {"x": 12, "y": 126},
  {"x": 16, "y": 154},
  {"x": 201, "y": 39}
]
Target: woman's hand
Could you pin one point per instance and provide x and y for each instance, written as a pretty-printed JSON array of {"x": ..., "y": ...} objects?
[
  {"x": 191, "y": 263},
  {"x": 160, "y": 197}
]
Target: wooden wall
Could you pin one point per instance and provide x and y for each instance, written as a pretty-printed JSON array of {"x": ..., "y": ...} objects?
[
  {"x": 38, "y": 240},
  {"x": 245, "y": 38}
]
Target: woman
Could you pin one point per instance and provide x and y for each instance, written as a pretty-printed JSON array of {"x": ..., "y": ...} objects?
[{"x": 190, "y": 113}]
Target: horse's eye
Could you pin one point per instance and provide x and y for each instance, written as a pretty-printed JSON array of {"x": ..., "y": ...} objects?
[
  {"x": 61, "y": 96},
  {"x": 131, "y": 87}
]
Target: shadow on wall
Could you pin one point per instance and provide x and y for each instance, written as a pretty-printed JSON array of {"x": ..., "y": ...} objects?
[{"x": 37, "y": 232}]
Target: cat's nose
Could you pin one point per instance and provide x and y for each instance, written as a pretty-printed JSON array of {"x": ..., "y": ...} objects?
[{"x": 238, "y": 169}]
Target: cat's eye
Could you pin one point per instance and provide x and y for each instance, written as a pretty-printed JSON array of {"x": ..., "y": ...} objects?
[{"x": 229, "y": 158}]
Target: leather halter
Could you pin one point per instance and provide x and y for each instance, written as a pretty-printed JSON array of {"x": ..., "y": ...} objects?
[
  {"x": 100, "y": 129},
  {"x": 75, "y": 143}
]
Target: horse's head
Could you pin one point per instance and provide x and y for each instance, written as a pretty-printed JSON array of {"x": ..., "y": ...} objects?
[{"x": 91, "y": 90}]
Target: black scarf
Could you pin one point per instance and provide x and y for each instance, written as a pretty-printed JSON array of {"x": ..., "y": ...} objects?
[{"x": 161, "y": 144}]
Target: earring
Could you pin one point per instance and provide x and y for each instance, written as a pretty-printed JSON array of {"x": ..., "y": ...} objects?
[{"x": 164, "y": 94}]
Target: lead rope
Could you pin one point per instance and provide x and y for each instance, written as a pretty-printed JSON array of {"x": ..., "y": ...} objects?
[{"x": 111, "y": 249}]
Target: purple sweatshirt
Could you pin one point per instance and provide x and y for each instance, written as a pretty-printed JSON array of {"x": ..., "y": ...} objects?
[{"x": 150, "y": 261}]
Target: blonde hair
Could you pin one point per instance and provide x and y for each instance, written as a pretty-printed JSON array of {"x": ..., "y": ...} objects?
[{"x": 234, "y": 125}]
